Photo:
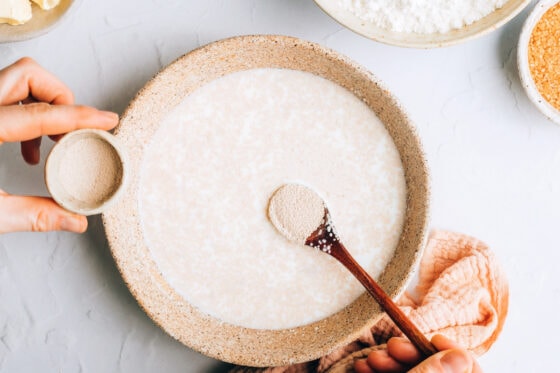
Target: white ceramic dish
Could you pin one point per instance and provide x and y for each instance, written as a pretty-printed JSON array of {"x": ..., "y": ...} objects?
[
  {"x": 523, "y": 61},
  {"x": 414, "y": 40},
  {"x": 42, "y": 22}
]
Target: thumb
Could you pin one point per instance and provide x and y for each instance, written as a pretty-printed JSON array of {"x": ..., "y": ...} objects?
[
  {"x": 449, "y": 361},
  {"x": 36, "y": 214}
]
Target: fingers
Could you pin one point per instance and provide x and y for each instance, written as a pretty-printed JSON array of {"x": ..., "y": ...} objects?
[
  {"x": 401, "y": 355},
  {"x": 36, "y": 214},
  {"x": 361, "y": 366},
  {"x": 27, "y": 122},
  {"x": 25, "y": 81},
  {"x": 402, "y": 350},
  {"x": 449, "y": 361},
  {"x": 26, "y": 78},
  {"x": 382, "y": 361},
  {"x": 30, "y": 150},
  {"x": 441, "y": 343}
]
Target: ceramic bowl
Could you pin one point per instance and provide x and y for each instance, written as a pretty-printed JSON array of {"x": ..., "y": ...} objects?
[
  {"x": 78, "y": 178},
  {"x": 183, "y": 321},
  {"x": 523, "y": 61},
  {"x": 42, "y": 22},
  {"x": 415, "y": 40}
]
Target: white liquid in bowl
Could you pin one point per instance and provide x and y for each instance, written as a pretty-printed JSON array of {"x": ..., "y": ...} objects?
[{"x": 211, "y": 167}]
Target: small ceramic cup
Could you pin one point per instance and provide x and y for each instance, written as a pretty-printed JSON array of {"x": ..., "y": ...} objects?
[
  {"x": 84, "y": 171},
  {"x": 523, "y": 61}
]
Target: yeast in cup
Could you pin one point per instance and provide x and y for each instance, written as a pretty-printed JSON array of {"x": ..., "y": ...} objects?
[{"x": 84, "y": 172}]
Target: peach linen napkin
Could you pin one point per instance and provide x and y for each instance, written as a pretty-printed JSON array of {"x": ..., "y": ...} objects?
[{"x": 462, "y": 293}]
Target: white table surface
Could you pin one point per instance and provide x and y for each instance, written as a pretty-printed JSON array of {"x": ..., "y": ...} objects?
[{"x": 495, "y": 168}]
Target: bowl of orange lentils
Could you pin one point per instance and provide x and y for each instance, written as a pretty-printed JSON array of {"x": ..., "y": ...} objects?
[{"x": 538, "y": 58}]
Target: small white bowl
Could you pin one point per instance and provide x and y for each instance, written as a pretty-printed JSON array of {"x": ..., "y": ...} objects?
[
  {"x": 84, "y": 171},
  {"x": 523, "y": 61},
  {"x": 414, "y": 40}
]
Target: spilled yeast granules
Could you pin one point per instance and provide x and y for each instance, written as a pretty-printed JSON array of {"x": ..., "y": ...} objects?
[{"x": 544, "y": 56}]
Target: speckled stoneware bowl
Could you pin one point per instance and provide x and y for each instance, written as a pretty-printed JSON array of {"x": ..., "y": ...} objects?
[
  {"x": 173, "y": 313},
  {"x": 414, "y": 40}
]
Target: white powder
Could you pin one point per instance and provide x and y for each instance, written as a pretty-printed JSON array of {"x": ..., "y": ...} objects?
[
  {"x": 233, "y": 142},
  {"x": 421, "y": 16},
  {"x": 296, "y": 211}
]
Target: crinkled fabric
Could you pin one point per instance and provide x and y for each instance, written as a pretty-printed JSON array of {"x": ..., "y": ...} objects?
[{"x": 462, "y": 293}]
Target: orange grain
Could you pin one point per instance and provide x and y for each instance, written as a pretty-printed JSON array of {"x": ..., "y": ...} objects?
[{"x": 544, "y": 55}]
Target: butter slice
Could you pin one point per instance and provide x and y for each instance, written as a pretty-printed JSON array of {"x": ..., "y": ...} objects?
[
  {"x": 46, "y": 4},
  {"x": 15, "y": 12}
]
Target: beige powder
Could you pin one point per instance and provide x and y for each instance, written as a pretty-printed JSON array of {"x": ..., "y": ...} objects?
[
  {"x": 90, "y": 170},
  {"x": 296, "y": 211}
]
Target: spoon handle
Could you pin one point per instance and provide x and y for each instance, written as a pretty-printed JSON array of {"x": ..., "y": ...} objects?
[{"x": 339, "y": 252}]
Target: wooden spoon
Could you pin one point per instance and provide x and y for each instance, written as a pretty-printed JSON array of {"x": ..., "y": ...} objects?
[{"x": 302, "y": 216}]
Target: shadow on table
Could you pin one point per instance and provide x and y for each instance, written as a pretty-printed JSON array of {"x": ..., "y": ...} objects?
[{"x": 507, "y": 50}]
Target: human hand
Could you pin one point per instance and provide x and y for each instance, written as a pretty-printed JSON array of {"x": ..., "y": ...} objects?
[
  {"x": 48, "y": 110},
  {"x": 402, "y": 356}
]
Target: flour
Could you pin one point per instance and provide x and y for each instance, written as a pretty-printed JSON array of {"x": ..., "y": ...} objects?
[
  {"x": 296, "y": 211},
  {"x": 421, "y": 16},
  {"x": 90, "y": 170}
]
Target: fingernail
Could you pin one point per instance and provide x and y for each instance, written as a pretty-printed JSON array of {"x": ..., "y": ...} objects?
[
  {"x": 73, "y": 224},
  {"x": 110, "y": 115},
  {"x": 456, "y": 361}
]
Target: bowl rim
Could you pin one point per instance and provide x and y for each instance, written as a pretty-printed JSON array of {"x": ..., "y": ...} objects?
[
  {"x": 476, "y": 29},
  {"x": 201, "y": 332},
  {"x": 524, "y": 70}
]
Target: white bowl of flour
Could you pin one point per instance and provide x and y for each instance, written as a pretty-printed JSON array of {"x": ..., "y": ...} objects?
[{"x": 422, "y": 23}]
